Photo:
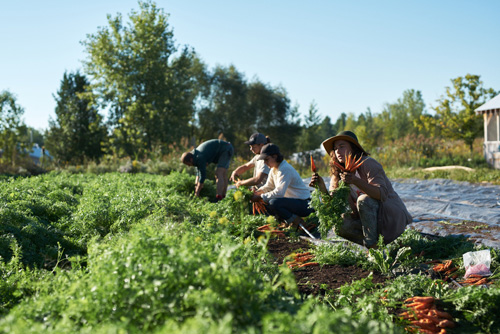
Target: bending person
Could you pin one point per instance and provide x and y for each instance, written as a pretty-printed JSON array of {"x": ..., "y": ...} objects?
[
  {"x": 214, "y": 151},
  {"x": 260, "y": 169},
  {"x": 377, "y": 208},
  {"x": 284, "y": 193}
]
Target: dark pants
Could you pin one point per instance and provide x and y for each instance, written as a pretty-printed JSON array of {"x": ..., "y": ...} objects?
[{"x": 289, "y": 208}]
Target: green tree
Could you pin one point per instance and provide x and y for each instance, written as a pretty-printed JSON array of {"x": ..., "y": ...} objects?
[
  {"x": 226, "y": 109},
  {"x": 149, "y": 89},
  {"x": 400, "y": 117},
  {"x": 235, "y": 108},
  {"x": 309, "y": 139},
  {"x": 273, "y": 115},
  {"x": 326, "y": 129},
  {"x": 78, "y": 132},
  {"x": 369, "y": 130},
  {"x": 340, "y": 123},
  {"x": 11, "y": 127},
  {"x": 455, "y": 115}
]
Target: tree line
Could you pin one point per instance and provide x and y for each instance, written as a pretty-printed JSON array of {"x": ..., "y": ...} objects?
[{"x": 156, "y": 93}]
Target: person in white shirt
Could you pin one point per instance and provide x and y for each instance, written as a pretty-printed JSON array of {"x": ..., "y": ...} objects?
[
  {"x": 260, "y": 169},
  {"x": 284, "y": 193}
]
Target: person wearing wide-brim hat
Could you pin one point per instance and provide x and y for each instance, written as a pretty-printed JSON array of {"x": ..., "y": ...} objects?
[
  {"x": 284, "y": 194},
  {"x": 376, "y": 208},
  {"x": 260, "y": 169}
]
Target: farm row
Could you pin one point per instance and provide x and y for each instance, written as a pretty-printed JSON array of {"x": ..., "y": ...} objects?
[{"x": 137, "y": 253}]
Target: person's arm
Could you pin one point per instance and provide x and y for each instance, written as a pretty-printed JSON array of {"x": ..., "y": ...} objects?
[
  {"x": 283, "y": 180},
  {"x": 197, "y": 189},
  {"x": 371, "y": 190},
  {"x": 317, "y": 180},
  {"x": 257, "y": 179},
  {"x": 240, "y": 170}
]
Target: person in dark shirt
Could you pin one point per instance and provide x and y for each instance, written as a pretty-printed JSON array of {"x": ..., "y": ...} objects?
[{"x": 215, "y": 151}]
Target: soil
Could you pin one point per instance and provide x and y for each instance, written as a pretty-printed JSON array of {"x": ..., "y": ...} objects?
[{"x": 319, "y": 279}]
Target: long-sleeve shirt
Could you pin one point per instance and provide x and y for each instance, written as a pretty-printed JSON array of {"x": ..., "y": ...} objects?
[
  {"x": 206, "y": 153},
  {"x": 284, "y": 181},
  {"x": 393, "y": 215}
]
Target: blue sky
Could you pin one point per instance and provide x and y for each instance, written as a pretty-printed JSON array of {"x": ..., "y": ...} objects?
[{"x": 345, "y": 56}]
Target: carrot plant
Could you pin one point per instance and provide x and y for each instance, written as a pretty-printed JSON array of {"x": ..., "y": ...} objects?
[{"x": 329, "y": 208}]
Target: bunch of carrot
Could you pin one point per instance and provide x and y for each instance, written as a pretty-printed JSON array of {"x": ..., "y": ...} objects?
[
  {"x": 300, "y": 260},
  {"x": 269, "y": 228},
  {"x": 474, "y": 280},
  {"x": 259, "y": 208},
  {"x": 425, "y": 317},
  {"x": 351, "y": 164},
  {"x": 446, "y": 269}
]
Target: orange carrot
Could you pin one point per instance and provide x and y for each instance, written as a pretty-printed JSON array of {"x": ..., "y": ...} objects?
[
  {"x": 313, "y": 165},
  {"x": 481, "y": 281},
  {"x": 442, "y": 314},
  {"x": 420, "y": 299},
  {"x": 302, "y": 254},
  {"x": 446, "y": 323},
  {"x": 339, "y": 166},
  {"x": 475, "y": 276},
  {"x": 308, "y": 264},
  {"x": 424, "y": 325}
]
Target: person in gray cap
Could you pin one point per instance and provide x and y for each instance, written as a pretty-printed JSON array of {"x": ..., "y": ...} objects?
[
  {"x": 376, "y": 207},
  {"x": 260, "y": 170},
  {"x": 285, "y": 194}
]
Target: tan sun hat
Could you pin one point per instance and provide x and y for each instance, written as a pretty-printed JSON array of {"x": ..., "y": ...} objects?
[{"x": 343, "y": 135}]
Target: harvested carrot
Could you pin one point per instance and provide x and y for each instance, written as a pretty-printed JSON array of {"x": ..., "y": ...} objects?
[
  {"x": 264, "y": 227},
  {"x": 302, "y": 254},
  {"x": 304, "y": 258},
  {"x": 442, "y": 314},
  {"x": 313, "y": 165},
  {"x": 422, "y": 306},
  {"x": 308, "y": 264},
  {"x": 481, "y": 281},
  {"x": 475, "y": 276},
  {"x": 417, "y": 304},
  {"x": 446, "y": 323},
  {"x": 424, "y": 325},
  {"x": 420, "y": 299}
]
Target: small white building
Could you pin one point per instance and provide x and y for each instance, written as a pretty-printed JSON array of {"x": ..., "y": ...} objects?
[{"x": 491, "y": 114}]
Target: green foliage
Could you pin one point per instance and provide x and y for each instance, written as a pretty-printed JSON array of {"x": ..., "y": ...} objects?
[
  {"x": 78, "y": 132},
  {"x": 330, "y": 208},
  {"x": 383, "y": 260},
  {"x": 338, "y": 253},
  {"x": 455, "y": 113},
  {"x": 136, "y": 253},
  {"x": 11, "y": 127},
  {"x": 479, "y": 306},
  {"x": 150, "y": 93}
]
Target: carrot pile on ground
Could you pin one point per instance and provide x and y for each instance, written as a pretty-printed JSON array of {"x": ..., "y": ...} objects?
[
  {"x": 425, "y": 317},
  {"x": 350, "y": 164},
  {"x": 269, "y": 228},
  {"x": 474, "y": 280},
  {"x": 301, "y": 260},
  {"x": 446, "y": 269}
]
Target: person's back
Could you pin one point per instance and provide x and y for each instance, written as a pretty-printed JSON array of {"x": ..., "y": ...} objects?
[{"x": 215, "y": 151}]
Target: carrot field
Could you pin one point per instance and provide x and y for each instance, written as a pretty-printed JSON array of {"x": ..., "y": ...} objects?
[{"x": 138, "y": 253}]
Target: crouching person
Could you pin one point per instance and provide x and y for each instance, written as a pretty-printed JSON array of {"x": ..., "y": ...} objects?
[
  {"x": 377, "y": 208},
  {"x": 285, "y": 194}
]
